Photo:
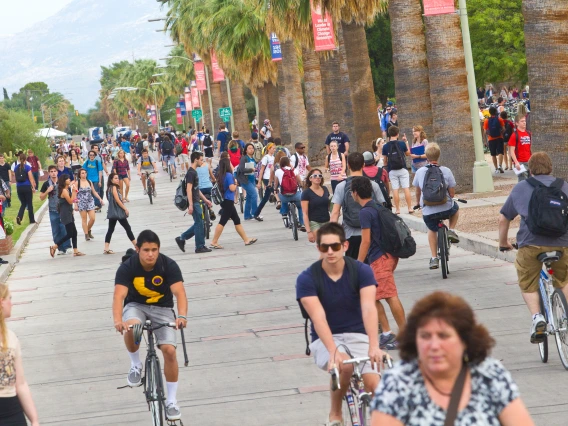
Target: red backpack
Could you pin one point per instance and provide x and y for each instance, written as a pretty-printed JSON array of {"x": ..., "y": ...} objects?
[{"x": 289, "y": 183}]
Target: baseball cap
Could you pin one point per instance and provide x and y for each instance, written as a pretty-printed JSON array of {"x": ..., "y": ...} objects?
[
  {"x": 389, "y": 103},
  {"x": 368, "y": 158},
  {"x": 254, "y": 135}
]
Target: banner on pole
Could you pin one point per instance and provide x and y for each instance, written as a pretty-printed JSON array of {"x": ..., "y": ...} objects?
[
  {"x": 187, "y": 97},
  {"x": 199, "y": 68},
  {"x": 182, "y": 106},
  {"x": 218, "y": 74},
  {"x": 154, "y": 116},
  {"x": 148, "y": 112},
  {"x": 438, "y": 7},
  {"x": 275, "y": 48},
  {"x": 195, "y": 97},
  {"x": 178, "y": 114},
  {"x": 324, "y": 36}
]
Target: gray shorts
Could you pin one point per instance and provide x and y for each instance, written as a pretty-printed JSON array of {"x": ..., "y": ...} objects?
[
  {"x": 357, "y": 343},
  {"x": 156, "y": 314},
  {"x": 399, "y": 179}
]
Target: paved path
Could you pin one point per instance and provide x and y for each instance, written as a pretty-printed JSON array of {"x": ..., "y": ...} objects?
[{"x": 245, "y": 338}]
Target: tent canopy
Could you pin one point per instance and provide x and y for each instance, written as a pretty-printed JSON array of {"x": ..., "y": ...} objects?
[{"x": 52, "y": 133}]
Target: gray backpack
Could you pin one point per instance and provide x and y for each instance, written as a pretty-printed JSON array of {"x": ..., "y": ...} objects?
[
  {"x": 434, "y": 188},
  {"x": 350, "y": 208}
]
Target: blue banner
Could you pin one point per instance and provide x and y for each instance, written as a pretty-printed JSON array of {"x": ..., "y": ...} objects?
[
  {"x": 182, "y": 107},
  {"x": 275, "y": 48}
]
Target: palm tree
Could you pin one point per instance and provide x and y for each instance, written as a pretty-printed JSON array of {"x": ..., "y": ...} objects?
[
  {"x": 451, "y": 116},
  {"x": 240, "y": 110},
  {"x": 546, "y": 35},
  {"x": 314, "y": 105},
  {"x": 411, "y": 78}
]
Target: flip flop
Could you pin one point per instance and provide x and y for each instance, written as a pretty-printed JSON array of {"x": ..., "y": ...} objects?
[
  {"x": 411, "y": 212},
  {"x": 217, "y": 247},
  {"x": 108, "y": 252},
  {"x": 251, "y": 242},
  {"x": 52, "y": 250},
  {"x": 396, "y": 212},
  {"x": 78, "y": 254}
]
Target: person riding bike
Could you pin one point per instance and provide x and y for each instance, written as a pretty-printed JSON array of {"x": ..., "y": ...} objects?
[
  {"x": 145, "y": 286},
  {"x": 147, "y": 164},
  {"x": 168, "y": 157}
]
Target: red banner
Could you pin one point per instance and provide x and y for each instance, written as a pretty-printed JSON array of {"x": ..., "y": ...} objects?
[
  {"x": 188, "y": 103},
  {"x": 153, "y": 115},
  {"x": 438, "y": 7},
  {"x": 179, "y": 116},
  {"x": 324, "y": 36},
  {"x": 199, "y": 69},
  {"x": 195, "y": 97},
  {"x": 218, "y": 74}
]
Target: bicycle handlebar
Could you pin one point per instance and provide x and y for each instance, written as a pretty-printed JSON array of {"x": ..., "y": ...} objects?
[{"x": 149, "y": 326}]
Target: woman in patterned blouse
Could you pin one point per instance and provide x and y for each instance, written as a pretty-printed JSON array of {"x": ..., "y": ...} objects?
[
  {"x": 440, "y": 338},
  {"x": 121, "y": 167}
]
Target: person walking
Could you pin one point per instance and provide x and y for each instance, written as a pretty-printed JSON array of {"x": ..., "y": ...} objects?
[
  {"x": 15, "y": 395},
  {"x": 418, "y": 148},
  {"x": 94, "y": 169},
  {"x": 266, "y": 131},
  {"x": 75, "y": 162},
  {"x": 519, "y": 145},
  {"x": 265, "y": 177},
  {"x": 227, "y": 186},
  {"x": 116, "y": 212},
  {"x": 315, "y": 203},
  {"x": 300, "y": 161},
  {"x": 222, "y": 139},
  {"x": 6, "y": 175},
  {"x": 394, "y": 155},
  {"x": 65, "y": 191},
  {"x": 25, "y": 186},
  {"x": 206, "y": 181},
  {"x": 494, "y": 127},
  {"x": 377, "y": 148},
  {"x": 336, "y": 164},
  {"x": 49, "y": 191},
  {"x": 246, "y": 179},
  {"x": 114, "y": 150},
  {"x": 194, "y": 207},
  {"x": 341, "y": 138},
  {"x": 86, "y": 195},
  {"x": 207, "y": 143},
  {"x": 36, "y": 165},
  {"x": 121, "y": 167}
]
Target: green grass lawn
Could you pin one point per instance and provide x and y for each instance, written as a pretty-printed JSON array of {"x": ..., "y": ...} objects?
[{"x": 13, "y": 211}]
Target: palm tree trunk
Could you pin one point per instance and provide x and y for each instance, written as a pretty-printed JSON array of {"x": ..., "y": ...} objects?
[
  {"x": 546, "y": 35},
  {"x": 298, "y": 124},
  {"x": 206, "y": 120},
  {"x": 361, "y": 85},
  {"x": 283, "y": 107},
  {"x": 273, "y": 109},
  {"x": 412, "y": 84},
  {"x": 314, "y": 106},
  {"x": 240, "y": 110},
  {"x": 217, "y": 99},
  {"x": 451, "y": 116}
]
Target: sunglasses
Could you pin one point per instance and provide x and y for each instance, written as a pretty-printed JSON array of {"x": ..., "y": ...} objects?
[
  {"x": 316, "y": 176},
  {"x": 325, "y": 247}
]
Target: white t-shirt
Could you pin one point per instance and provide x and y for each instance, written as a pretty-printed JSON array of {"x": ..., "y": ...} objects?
[
  {"x": 303, "y": 164},
  {"x": 15, "y": 163},
  {"x": 280, "y": 173},
  {"x": 267, "y": 131},
  {"x": 268, "y": 161}
]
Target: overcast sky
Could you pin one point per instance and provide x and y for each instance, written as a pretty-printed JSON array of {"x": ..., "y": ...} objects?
[{"x": 17, "y": 15}]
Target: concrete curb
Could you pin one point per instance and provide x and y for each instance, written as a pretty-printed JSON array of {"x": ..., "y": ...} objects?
[
  {"x": 470, "y": 242},
  {"x": 16, "y": 251}
]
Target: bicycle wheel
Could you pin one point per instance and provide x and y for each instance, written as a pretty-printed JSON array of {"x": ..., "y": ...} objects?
[
  {"x": 560, "y": 314},
  {"x": 365, "y": 413},
  {"x": 543, "y": 346},
  {"x": 293, "y": 220},
  {"x": 150, "y": 189},
  {"x": 442, "y": 253},
  {"x": 155, "y": 391},
  {"x": 171, "y": 174},
  {"x": 206, "y": 221}
]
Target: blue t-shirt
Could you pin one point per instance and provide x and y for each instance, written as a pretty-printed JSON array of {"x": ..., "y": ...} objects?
[
  {"x": 403, "y": 149},
  {"x": 369, "y": 218},
  {"x": 222, "y": 137},
  {"x": 93, "y": 167},
  {"x": 228, "y": 181},
  {"x": 341, "y": 305},
  {"x": 67, "y": 171},
  {"x": 27, "y": 181},
  {"x": 125, "y": 145}
]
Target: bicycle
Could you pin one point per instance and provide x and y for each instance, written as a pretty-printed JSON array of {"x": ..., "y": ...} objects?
[
  {"x": 150, "y": 189},
  {"x": 356, "y": 401},
  {"x": 206, "y": 218},
  {"x": 152, "y": 379}
]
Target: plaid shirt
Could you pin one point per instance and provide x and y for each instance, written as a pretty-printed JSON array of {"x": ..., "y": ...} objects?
[{"x": 121, "y": 167}]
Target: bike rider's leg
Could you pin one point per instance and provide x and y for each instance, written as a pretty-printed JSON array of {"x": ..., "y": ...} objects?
[
  {"x": 134, "y": 377},
  {"x": 143, "y": 179},
  {"x": 433, "y": 243},
  {"x": 371, "y": 381},
  {"x": 171, "y": 371}
]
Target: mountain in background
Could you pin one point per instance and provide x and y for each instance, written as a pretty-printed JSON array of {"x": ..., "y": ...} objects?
[{"x": 66, "y": 50}]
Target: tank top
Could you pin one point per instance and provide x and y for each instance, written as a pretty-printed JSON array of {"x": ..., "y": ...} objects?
[
  {"x": 65, "y": 211},
  {"x": 335, "y": 166},
  {"x": 204, "y": 178}
]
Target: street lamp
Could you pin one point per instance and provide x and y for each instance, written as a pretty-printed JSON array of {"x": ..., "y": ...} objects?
[
  {"x": 157, "y": 75},
  {"x": 162, "y": 66},
  {"x": 156, "y": 19}
]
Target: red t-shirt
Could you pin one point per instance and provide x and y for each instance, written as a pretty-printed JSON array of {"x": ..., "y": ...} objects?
[
  {"x": 184, "y": 146},
  {"x": 523, "y": 145},
  {"x": 235, "y": 157},
  {"x": 486, "y": 128},
  {"x": 34, "y": 161}
]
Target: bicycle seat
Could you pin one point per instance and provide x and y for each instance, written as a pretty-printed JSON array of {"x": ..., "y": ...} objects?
[{"x": 549, "y": 257}]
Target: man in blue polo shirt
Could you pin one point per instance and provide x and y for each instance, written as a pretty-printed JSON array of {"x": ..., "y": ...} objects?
[
  {"x": 94, "y": 170},
  {"x": 222, "y": 138}
]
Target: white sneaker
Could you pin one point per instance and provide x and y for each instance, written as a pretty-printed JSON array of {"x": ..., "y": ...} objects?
[
  {"x": 538, "y": 329},
  {"x": 173, "y": 412}
]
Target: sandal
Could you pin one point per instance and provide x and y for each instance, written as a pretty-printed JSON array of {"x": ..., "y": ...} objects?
[
  {"x": 217, "y": 247},
  {"x": 108, "y": 252},
  {"x": 52, "y": 250},
  {"x": 251, "y": 242},
  {"x": 410, "y": 211},
  {"x": 78, "y": 254}
]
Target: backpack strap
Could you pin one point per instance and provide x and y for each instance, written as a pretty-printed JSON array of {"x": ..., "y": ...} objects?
[
  {"x": 353, "y": 270},
  {"x": 297, "y": 162},
  {"x": 535, "y": 183},
  {"x": 317, "y": 276},
  {"x": 558, "y": 183}
]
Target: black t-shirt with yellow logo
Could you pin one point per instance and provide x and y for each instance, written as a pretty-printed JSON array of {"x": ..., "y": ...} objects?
[{"x": 149, "y": 287}]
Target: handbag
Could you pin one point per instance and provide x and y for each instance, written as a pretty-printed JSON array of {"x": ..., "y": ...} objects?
[
  {"x": 114, "y": 211},
  {"x": 457, "y": 390}
]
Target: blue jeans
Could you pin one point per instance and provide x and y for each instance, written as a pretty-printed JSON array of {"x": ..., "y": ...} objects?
[
  {"x": 58, "y": 230},
  {"x": 267, "y": 191},
  {"x": 36, "y": 178},
  {"x": 296, "y": 199},
  {"x": 251, "y": 202},
  {"x": 97, "y": 190},
  {"x": 196, "y": 229}
]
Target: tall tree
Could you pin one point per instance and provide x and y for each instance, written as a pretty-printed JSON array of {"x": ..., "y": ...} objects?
[
  {"x": 298, "y": 125},
  {"x": 314, "y": 105},
  {"x": 6, "y": 97},
  {"x": 240, "y": 110},
  {"x": 546, "y": 38},
  {"x": 379, "y": 42}
]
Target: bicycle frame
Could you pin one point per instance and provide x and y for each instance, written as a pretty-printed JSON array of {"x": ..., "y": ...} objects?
[{"x": 546, "y": 289}]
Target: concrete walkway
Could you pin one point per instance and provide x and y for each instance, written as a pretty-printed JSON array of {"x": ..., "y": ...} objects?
[{"x": 245, "y": 338}]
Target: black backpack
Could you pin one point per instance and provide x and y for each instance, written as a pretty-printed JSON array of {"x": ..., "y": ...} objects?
[
  {"x": 378, "y": 179},
  {"x": 396, "y": 158},
  {"x": 207, "y": 141},
  {"x": 434, "y": 187},
  {"x": 297, "y": 162},
  {"x": 21, "y": 173},
  {"x": 317, "y": 275},
  {"x": 180, "y": 198},
  {"x": 509, "y": 129},
  {"x": 494, "y": 126},
  {"x": 140, "y": 146},
  {"x": 167, "y": 147},
  {"x": 548, "y": 209},
  {"x": 396, "y": 238}
]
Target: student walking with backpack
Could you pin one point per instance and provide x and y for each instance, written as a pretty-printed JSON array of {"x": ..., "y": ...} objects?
[
  {"x": 378, "y": 175},
  {"x": 494, "y": 127},
  {"x": 49, "y": 191},
  {"x": 336, "y": 164},
  {"x": 394, "y": 155},
  {"x": 508, "y": 131},
  {"x": 246, "y": 179},
  {"x": 25, "y": 187},
  {"x": 315, "y": 203},
  {"x": 290, "y": 181},
  {"x": 258, "y": 147},
  {"x": 520, "y": 144},
  {"x": 207, "y": 143},
  {"x": 299, "y": 161},
  {"x": 117, "y": 212}
]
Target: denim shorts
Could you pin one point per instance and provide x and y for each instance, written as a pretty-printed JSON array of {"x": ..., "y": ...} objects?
[
  {"x": 432, "y": 220},
  {"x": 156, "y": 314}
]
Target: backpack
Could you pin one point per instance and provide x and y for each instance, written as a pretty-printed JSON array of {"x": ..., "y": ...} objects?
[
  {"x": 494, "y": 126},
  {"x": 140, "y": 146},
  {"x": 21, "y": 173},
  {"x": 216, "y": 195},
  {"x": 395, "y": 156},
  {"x": 351, "y": 208},
  {"x": 339, "y": 154},
  {"x": 180, "y": 198},
  {"x": 258, "y": 147},
  {"x": 279, "y": 148},
  {"x": 297, "y": 161},
  {"x": 396, "y": 238},
  {"x": 317, "y": 275},
  {"x": 178, "y": 148},
  {"x": 263, "y": 129},
  {"x": 207, "y": 141},
  {"x": 167, "y": 147},
  {"x": 289, "y": 184},
  {"x": 379, "y": 181},
  {"x": 548, "y": 209},
  {"x": 509, "y": 129},
  {"x": 434, "y": 187}
]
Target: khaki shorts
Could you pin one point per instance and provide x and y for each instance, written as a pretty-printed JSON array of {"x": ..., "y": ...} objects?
[
  {"x": 528, "y": 267},
  {"x": 184, "y": 158},
  {"x": 357, "y": 343},
  {"x": 314, "y": 226}
]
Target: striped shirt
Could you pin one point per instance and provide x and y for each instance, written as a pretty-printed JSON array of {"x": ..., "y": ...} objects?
[{"x": 121, "y": 167}]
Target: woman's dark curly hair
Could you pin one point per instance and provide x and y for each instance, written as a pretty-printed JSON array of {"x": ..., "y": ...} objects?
[{"x": 457, "y": 313}]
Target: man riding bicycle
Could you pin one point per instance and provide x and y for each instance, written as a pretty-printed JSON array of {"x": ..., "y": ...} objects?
[
  {"x": 435, "y": 211},
  {"x": 168, "y": 157},
  {"x": 147, "y": 164},
  {"x": 341, "y": 317},
  {"x": 145, "y": 285},
  {"x": 532, "y": 243}
]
